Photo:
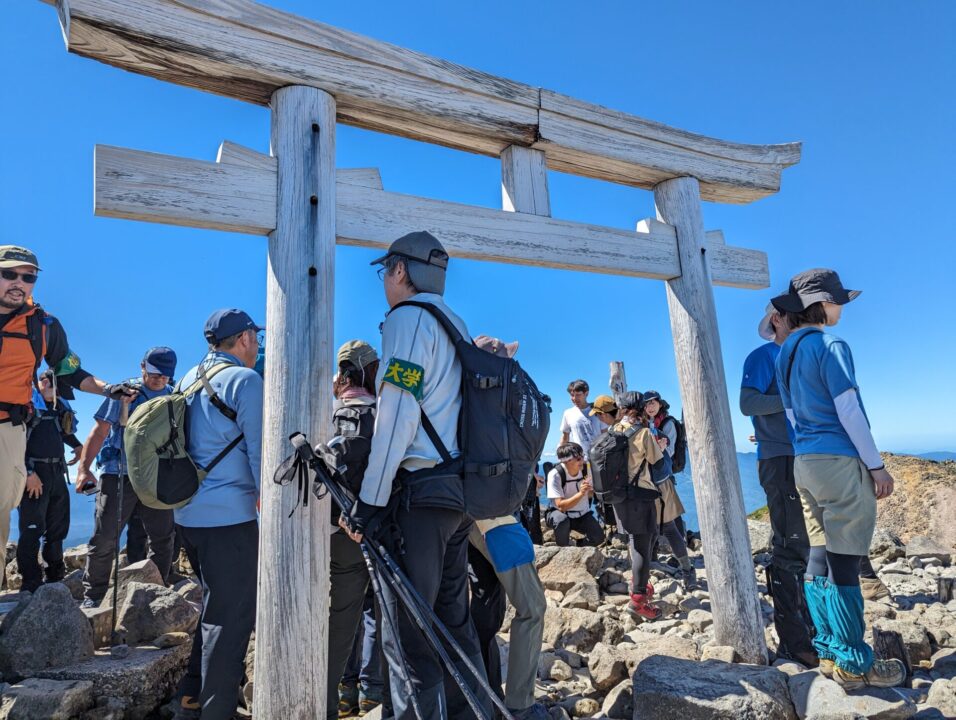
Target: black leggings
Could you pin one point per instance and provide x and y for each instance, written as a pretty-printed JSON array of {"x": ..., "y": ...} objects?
[
  {"x": 841, "y": 569},
  {"x": 641, "y": 549},
  {"x": 675, "y": 538}
]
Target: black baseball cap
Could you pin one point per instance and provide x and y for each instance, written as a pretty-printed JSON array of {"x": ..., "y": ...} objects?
[
  {"x": 227, "y": 322},
  {"x": 652, "y": 395},
  {"x": 813, "y": 286}
]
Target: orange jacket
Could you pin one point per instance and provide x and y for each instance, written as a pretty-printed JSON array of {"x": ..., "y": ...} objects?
[{"x": 22, "y": 346}]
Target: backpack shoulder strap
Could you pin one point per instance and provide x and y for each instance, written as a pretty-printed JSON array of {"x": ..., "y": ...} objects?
[
  {"x": 36, "y": 329},
  {"x": 441, "y": 317},
  {"x": 793, "y": 353},
  {"x": 562, "y": 473},
  {"x": 203, "y": 377}
]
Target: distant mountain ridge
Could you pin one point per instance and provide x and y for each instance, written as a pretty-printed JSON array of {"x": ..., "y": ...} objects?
[{"x": 938, "y": 455}]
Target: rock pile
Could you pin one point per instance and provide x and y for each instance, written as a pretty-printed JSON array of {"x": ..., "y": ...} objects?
[
  {"x": 55, "y": 657},
  {"x": 599, "y": 662}
]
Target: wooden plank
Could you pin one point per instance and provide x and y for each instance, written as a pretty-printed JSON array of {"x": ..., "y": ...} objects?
[
  {"x": 706, "y": 408},
  {"x": 245, "y": 50},
  {"x": 293, "y": 608},
  {"x": 137, "y": 185},
  {"x": 524, "y": 181},
  {"x": 231, "y": 153},
  {"x": 618, "y": 380},
  {"x": 146, "y": 186}
]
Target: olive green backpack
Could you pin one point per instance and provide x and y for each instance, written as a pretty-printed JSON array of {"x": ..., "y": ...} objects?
[{"x": 162, "y": 473}]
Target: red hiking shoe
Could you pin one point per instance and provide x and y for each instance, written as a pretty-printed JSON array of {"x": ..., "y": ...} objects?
[{"x": 639, "y": 608}]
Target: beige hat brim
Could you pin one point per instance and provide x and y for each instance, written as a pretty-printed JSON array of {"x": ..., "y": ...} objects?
[{"x": 17, "y": 263}]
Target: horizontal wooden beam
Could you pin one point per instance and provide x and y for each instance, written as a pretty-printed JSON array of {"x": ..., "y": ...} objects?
[
  {"x": 241, "y": 197},
  {"x": 244, "y": 50}
]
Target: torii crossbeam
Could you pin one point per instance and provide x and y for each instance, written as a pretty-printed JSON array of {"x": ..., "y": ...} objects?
[{"x": 312, "y": 75}]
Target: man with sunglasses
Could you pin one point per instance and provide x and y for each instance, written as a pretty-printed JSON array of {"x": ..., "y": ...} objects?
[
  {"x": 29, "y": 336},
  {"x": 105, "y": 443}
]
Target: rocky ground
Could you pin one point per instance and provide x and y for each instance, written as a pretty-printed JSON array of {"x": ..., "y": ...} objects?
[{"x": 597, "y": 661}]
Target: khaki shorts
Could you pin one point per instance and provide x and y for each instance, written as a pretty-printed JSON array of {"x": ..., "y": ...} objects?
[
  {"x": 13, "y": 474},
  {"x": 839, "y": 502}
]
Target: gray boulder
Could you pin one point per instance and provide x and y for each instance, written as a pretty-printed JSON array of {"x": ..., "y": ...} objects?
[
  {"x": 579, "y": 629},
  {"x": 131, "y": 688},
  {"x": 942, "y": 696},
  {"x": 561, "y": 568},
  {"x": 189, "y": 589},
  {"x": 35, "y": 699},
  {"x": 886, "y": 545},
  {"x": 619, "y": 702},
  {"x": 673, "y": 689},
  {"x": 75, "y": 558},
  {"x": 923, "y": 547},
  {"x": 584, "y": 594},
  {"x": 607, "y": 666},
  {"x": 74, "y": 583},
  {"x": 644, "y": 645},
  {"x": 915, "y": 639},
  {"x": 761, "y": 536},
  {"x": 144, "y": 571},
  {"x": 45, "y": 630},
  {"x": 152, "y": 610},
  {"x": 816, "y": 696}
]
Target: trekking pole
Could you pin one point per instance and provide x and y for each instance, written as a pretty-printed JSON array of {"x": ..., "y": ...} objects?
[
  {"x": 118, "y": 646},
  {"x": 415, "y": 606}
]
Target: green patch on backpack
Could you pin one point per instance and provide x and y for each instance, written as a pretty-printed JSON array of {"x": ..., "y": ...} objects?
[
  {"x": 161, "y": 471},
  {"x": 405, "y": 376}
]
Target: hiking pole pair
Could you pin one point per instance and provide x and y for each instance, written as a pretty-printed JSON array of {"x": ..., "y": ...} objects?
[
  {"x": 421, "y": 613},
  {"x": 118, "y": 646}
]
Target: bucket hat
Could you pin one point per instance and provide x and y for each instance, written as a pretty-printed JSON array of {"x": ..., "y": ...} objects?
[{"x": 813, "y": 286}]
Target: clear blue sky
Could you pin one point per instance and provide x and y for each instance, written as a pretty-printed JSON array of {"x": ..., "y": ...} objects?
[{"x": 867, "y": 87}]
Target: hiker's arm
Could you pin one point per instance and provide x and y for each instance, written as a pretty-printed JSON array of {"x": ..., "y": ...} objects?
[
  {"x": 855, "y": 423},
  {"x": 753, "y": 402},
  {"x": 564, "y": 504},
  {"x": 564, "y": 438},
  {"x": 669, "y": 431},
  {"x": 94, "y": 442},
  {"x": 64, "y": 362}
]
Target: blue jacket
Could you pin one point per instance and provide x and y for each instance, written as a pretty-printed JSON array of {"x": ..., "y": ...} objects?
[{"x": 229, "y": 493}]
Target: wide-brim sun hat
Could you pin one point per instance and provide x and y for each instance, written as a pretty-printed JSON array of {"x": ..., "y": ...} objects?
[
  {"x": 765, "y": 326},
  {"x": 813, "y": 286}
]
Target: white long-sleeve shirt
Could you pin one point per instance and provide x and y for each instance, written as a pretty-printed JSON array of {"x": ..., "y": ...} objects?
[{"x": 413, "y": 336}]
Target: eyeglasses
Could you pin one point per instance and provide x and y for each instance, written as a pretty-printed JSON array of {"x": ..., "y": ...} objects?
[
  {"x": 28, "y": 278},
  {"x": 156, "y": 376},
  {"x": 381, "y": 273}
]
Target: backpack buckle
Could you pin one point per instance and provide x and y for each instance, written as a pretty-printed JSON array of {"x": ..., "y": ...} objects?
[{"x": 486, "y": 382}]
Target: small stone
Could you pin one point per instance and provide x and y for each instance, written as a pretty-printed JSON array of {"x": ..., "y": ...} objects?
[
  {"x": 144, "y": 571},
  {"x": 606, "y": 666},
  {"x": 101, "y": 622},
  {"x": 817, "y": 696},
  {"x": 573, "y": 659},
  {"x": 761, "y": 536},
  {"x": 152, "y": 610},
  {"x": 584, "y": 707},
  {"x": 171, "y": 639},
  {"x": 561, "y": 568},
  {"x": 560, "y": 670},
  {"x": 584, "y": 595},
  {"x": 700, "y": 619},
  {"x": 35, "y": 699},
  {"x": 723, "y": 653},
  {"x": 75, "y": 558},
  {"x": 190, "y": 590},
  {"x": 915, "y": 639}
]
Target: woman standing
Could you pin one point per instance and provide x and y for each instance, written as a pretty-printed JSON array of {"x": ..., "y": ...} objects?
[
  {"x": 664, "y": 428},
  {"x": 838, "y": 472}
]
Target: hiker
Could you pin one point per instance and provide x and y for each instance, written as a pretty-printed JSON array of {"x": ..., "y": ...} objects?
[
  {"x": 639, "y": 513},
  {"x": 838, "y": 472},
  {"x": 530, "y": 515},
  {"x": 501, "y": 555},
  {"x": 28, "y": 336},
  {"x": 570, "y": 494},
  {"x": 760, "y": 399},
  {"x": 45, "y": 507},
  {"x": 105, "y": 443},
  {"x": 421, "y": 376},
  {"x": 578, "y": 425},
  {"x": 219, "y": 526},
  {"x": 352, "y": 421},
  {"x": 664, "y": 428}
]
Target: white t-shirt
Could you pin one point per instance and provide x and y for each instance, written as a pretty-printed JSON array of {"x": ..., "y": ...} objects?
[
  {"x": 570, "y": 488},
  {"x": 581, "y": 428}
]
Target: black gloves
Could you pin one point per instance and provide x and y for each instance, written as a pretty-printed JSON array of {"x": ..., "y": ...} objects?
[{"x": 118, "y": 391}]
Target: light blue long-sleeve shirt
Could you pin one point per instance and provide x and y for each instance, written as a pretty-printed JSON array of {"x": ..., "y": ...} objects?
[{"x": 229, "y": 493}]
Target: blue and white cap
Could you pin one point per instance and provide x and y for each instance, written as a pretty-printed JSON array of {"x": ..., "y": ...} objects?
[{"x": 160, "y": 360}]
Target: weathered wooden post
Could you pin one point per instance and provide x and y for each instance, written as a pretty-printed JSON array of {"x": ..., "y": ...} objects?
[
  {"x": 700, "y": 369},
  {"x": 293, "y": 603}
]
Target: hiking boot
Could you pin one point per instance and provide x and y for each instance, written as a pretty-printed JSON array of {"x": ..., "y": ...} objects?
[
  {"x": 649, "y": 591},
  {"x": 368, "y": 700},
  {"x": 639, "y": 609},
  {"x": 188, "y": 709},
  {"x": 826, "y": 667},
  {"x": 883, "y": 673},
  {"x": 535, "y": 712},
  {"x": 873, "y": 589},
  {"x": 688, "y": 579},
  {"x": 348, "y": 700}
]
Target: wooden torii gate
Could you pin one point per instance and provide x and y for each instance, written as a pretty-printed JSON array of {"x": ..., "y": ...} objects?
[{"x": 311, "y": 76}]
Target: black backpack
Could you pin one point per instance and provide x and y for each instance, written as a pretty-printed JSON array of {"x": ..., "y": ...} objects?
[
  {"x": 608, "y": 458},
  {"x": 679, "y": 458},
  {"x": 502, "y": 427}
]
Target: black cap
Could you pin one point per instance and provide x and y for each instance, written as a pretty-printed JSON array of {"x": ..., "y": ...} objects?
[
  {"x": 813, "y": 286},
  {"x": 421, "y": 246},
  {"x": 63, "y": 389},
  {"x": 226, "y": 323},
  {"x": 652, "y": 395},
  {"x": 631, "y": 400}
]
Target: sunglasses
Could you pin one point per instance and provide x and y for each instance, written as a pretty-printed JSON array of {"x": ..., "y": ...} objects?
[{"x": 28, "y": 278}]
